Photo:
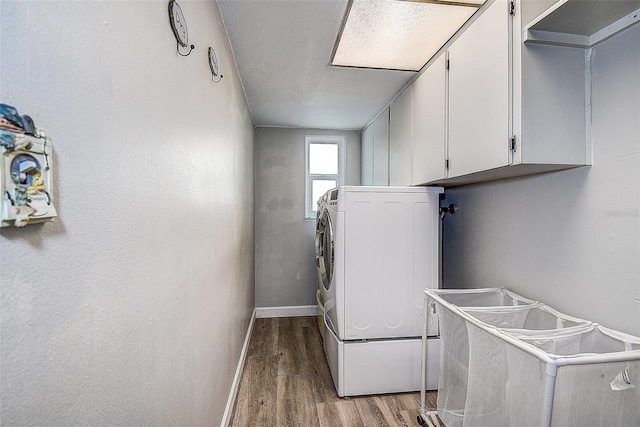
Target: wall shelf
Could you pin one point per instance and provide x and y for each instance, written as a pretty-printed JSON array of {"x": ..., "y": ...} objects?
[{"x": 582, "y": 23}]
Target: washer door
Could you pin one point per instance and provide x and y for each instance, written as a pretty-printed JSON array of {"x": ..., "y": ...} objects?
[{"x": 324, "y": 248}]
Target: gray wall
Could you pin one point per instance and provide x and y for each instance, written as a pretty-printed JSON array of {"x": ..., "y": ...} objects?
[
  {"x": 132, "y": 307},
  {"x": 570, "y": 239},
  {"x": 285, "y": 267}
]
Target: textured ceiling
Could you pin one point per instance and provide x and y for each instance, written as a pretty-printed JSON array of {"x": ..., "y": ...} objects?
[{"x": 283, "y": 51}]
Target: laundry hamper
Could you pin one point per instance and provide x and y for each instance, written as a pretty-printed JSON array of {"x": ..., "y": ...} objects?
[
  {"x": 454, "y": 355},
  {"x": 487, "y": 388},
  {"x": 530, "y": 365},
  {"x": 596, "y": 382},
  {"x": 497, "y": 307}
]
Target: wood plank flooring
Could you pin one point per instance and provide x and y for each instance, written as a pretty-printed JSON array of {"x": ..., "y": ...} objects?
[{"x": 286, "y": 382}]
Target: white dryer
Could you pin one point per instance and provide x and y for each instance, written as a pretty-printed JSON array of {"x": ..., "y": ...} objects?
[{"x": 377, "y": 250}]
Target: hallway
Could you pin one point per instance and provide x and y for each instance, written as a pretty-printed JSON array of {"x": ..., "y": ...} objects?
[{"x": 286, "y": 382}]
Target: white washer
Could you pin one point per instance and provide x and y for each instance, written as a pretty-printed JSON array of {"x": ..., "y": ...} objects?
[{"x": 379, "y": 249}]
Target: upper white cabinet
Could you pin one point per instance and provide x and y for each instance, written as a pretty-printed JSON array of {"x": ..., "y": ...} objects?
[
  {"x": 375, "y": 151},
  {"x": 429, "y": 124},
  {"x": 509, "y": 95},
  {"x": 479, "y": 94},
  {"x": 400, "y": 139},
  {"x": 509, "y": 108}
]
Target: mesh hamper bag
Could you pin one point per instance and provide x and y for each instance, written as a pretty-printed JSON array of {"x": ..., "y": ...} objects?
[
  {"x": 525, "y": 388},
  {"x": 502, "y": 317},
  {"x": 587, "y": 393},
  {"x": 485, "y": 404},
  {"x": 454, "y": 366},
  {"x": 534, "y": 316},
  {"x": 495, "y": 374},
  {"x": 486, "y": 297},
  {"x": 528, "y": 373},
  {"x": 454, "y": 356},
  {"x": 583, "y": 396}
]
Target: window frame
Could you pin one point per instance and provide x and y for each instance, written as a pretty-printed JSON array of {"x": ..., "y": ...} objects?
[{"x": 341, "y": 142}]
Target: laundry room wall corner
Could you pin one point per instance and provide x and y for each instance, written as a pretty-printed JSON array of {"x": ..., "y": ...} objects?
[{"x": 285, "y": 269}]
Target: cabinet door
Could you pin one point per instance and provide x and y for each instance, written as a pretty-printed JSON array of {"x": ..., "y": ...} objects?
[
  {"x": 429, "y": 125},
  {"x": 367, "y": 157},
  {"x": 400, "y": 139},
  {"x": 381, "y": 149},
  {"x": 479, "y": 94}
]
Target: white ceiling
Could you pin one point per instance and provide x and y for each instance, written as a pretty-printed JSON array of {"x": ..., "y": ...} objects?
[{"x": 283, "y": 52}]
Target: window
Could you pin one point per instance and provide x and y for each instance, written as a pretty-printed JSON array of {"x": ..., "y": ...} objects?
[{"x": 324, "y": 157}]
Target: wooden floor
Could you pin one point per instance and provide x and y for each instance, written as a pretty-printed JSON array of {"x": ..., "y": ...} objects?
[{"x": 286, "y": 382}]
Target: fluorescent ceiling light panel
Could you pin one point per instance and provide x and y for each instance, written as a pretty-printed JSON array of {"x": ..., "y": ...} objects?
[{"x": 398, "y": 35}]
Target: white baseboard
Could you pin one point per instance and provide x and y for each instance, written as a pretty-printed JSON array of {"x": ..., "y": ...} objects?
[
  {"x": 295, "y": 311},
  {"x": 235, "y": 385}
]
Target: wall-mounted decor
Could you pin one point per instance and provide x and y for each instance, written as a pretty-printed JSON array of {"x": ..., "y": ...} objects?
[
  {"x": 26, "y": 176},
  {"x": 213, "y": 64},
  {"x": 179, "y": 27}
]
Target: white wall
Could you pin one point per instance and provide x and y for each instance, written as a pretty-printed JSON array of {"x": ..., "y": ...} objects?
[
  {"x": 132, "y": 307},
  {"x": 285, "y": 259},
  {"x": 570, "y": 239}
]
